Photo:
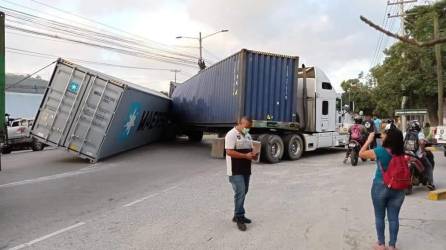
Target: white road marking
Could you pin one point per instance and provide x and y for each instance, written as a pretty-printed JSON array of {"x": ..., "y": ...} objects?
[
  {"x": 89, "y": 169},
  {"x": 149, "y": 196},
  {"x": 28, "y": 244}
]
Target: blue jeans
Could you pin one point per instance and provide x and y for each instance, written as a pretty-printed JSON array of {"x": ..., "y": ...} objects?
[
  {"x": 391, "y": 200},
  {"x": 240, "y": 185}
]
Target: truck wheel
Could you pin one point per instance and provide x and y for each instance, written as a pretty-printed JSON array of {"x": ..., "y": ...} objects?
[
  {"x": 195, "y": 136},
  {"x": 294, "y": 146},
  {"x": 37, "y": 146},
  {"x": 6, "y": 150},
  {"x": 272, "y": 148}
]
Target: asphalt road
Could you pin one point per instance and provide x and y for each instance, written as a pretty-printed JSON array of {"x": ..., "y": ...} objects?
[{"x": 174, "y": 196}]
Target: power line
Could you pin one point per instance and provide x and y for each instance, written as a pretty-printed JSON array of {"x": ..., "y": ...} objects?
[
  {"x": 111, "y": 48},
  {"x": 28, "y": 76},
  {"x": 97, "y": 22},
  {"x": 81, "y": 32},
  {"x": 25, "y": 19},
  {"x": 86, "y": 33},
  {"x": 386, "y": 41},
  {"x": 44, "y": 55},
  {"x": 379, "y": 42}
]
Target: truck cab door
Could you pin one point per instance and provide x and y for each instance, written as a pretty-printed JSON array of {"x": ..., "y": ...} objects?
[{"x": 325, "y": 104}]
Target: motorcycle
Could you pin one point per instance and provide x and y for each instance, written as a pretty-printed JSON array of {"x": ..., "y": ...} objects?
[
  {"x": 417, "y": 169},
  {"x": 354, "y": 146}
]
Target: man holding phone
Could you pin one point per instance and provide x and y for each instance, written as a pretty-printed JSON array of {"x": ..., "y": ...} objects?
[{"x": 239, "y": 154}]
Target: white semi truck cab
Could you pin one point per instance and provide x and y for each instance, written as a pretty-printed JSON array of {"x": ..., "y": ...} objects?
[{"x": 320, "y": 98}]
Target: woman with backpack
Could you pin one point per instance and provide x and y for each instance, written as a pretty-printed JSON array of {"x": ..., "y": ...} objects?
[{"x": 392, "y": 177}]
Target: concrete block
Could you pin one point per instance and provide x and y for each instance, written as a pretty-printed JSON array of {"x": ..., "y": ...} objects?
[
  {"x": 436, "y": 195},
  {"x": 218, "y": 148}
]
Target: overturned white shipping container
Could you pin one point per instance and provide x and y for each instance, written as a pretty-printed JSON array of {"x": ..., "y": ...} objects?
[{"x": 95, "y": 116}]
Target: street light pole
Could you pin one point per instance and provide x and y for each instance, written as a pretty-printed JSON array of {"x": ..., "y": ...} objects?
[
  {"x": 175, "y": 71},
  {"x": 200, "y": 38},
  {"x": 200, "y": 46}
]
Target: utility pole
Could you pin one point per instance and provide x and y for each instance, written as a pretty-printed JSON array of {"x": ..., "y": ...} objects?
[
  {"x": 401, "y": 15},
  {"x": 201, "y": 63},
  {"x": 2, "y": 85},
  {"x": 200, "y": 38},
  {"x": 175, "y": 71},
  {"x": 439, "y": 70}
]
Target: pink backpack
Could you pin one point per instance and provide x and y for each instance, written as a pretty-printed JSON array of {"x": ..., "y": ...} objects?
[
  {"x": 397, "y": 176},
  {"x": 356, "y": 132}
]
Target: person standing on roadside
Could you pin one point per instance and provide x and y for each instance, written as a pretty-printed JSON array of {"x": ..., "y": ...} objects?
[
  {"x": 239, "y": 154},
  {"x": 378, "y": 123},
  {"x": 384, "y": 198}
]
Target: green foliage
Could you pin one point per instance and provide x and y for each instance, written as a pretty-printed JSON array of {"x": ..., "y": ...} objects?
[
  {"x": 406, "y": 70},
  {"x": 30, "y": 85},
  {"x": 359, "y": 93}
]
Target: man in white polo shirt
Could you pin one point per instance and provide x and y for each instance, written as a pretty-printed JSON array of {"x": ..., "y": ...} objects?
[{"x": 238, "y": 145}]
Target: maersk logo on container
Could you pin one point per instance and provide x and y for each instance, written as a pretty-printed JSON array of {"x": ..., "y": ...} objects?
[
  {"x": 144, "y": 120},
  {"x": 134, "y": 112}
]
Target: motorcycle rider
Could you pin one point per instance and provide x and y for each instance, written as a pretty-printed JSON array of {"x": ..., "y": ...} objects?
[
  {"x": 415, "y": 141},
  {"x": 356, "y": 132}
]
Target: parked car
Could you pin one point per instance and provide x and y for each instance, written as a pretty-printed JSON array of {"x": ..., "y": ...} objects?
[
  {"x": 18, "y": 136},
  {"x": 440, "y": 137}
]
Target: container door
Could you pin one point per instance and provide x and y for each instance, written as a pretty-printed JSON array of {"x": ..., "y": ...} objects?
[
  {"x": 94, "y": 116},
  {"x": 59, "y": 105},
  {"x": 269, "y": 87}
]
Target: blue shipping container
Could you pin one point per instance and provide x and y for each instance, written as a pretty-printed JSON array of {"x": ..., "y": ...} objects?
[{"x": 257, "y": 84}]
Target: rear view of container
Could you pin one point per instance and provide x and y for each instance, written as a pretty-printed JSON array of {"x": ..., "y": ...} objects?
[
  {"x": 256, "y": 84},
  {"x": 95, "y": 116}
]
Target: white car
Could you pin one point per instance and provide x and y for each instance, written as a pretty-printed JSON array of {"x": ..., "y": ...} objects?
[
  {"x": 19, "y": 137},
  {"x": 440, "y": 137}
]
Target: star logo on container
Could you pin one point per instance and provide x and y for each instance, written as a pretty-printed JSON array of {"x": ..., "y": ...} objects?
[
  {"x": 131, "y": 121},
  {"x": 73, "y": 87}
]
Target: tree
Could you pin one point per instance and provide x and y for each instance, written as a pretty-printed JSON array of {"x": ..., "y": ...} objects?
[
  {"x": 358, "y": 93},
  {"x": 407, "y": 69},
  {"x": 410, "y": 70}
]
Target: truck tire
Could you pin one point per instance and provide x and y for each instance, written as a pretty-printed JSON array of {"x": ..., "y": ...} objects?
[
  {"x": 195, "y": 136},
  {"x": 294, "y": 146},
  {"x": 272, "y": 148},
  {"x": 37, "y": 146}
]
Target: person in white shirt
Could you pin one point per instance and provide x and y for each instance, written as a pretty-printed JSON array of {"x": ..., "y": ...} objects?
[{"x": 238, "y": 146}]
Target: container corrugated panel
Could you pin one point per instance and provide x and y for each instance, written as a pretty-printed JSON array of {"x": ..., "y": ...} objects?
[
  {"x": 211, "y": 96},
  {"x": 270, "y": 87},
  {"x": 95, "y": 115},
  {"x": 258, "y": 84}
]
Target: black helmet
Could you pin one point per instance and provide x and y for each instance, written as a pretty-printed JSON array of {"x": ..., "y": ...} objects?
[
  {"x": 358, "y": 119},
  {"x": 414, "y": 126}
]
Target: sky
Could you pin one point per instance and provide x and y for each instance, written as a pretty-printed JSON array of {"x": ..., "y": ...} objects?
[{"x": 323, "y": 33}]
